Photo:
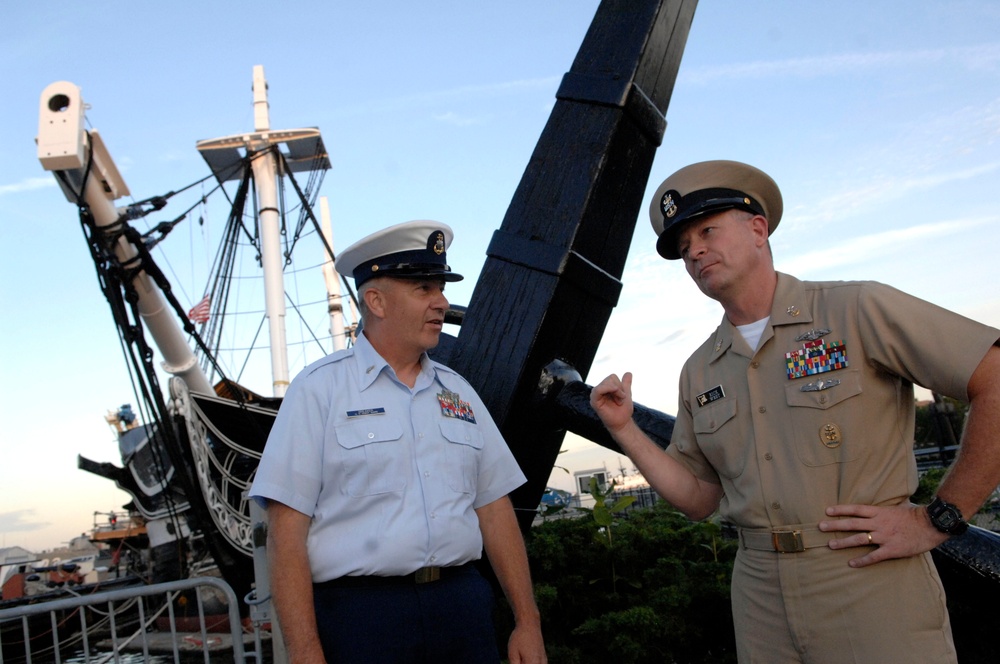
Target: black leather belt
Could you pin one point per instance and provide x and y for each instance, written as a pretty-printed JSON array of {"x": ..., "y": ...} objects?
[{"x": 421, "y": 576}]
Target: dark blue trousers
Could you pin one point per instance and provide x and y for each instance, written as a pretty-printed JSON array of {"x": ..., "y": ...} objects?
[{"x": 449, "y": 620}]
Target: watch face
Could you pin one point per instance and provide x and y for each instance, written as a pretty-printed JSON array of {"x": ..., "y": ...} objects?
[{"x": 947, "y": 518}]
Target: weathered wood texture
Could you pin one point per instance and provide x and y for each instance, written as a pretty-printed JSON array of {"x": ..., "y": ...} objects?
[{"x": 552, "y": 276}]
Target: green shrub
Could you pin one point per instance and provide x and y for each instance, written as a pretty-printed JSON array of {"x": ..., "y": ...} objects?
[{"x": 657, "y": 591}]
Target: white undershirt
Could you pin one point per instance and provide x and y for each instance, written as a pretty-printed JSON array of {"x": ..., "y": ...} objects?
[{"x": 751, "y": 331}]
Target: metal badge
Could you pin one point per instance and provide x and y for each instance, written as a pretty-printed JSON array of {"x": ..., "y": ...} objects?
[
  {"x": 829, "y": 435},
  {"x": 718, "y": 345},
  {"x": 667, "y": 206},
  {"x": 813, "y": 335},
  {"x": 820, "y": 385},
  {"x": 792, "y": 311},
  {"x": 439, "y": 243}
]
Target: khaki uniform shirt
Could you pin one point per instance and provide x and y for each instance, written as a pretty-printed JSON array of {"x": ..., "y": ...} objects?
[{"x": 785, "y": 442}]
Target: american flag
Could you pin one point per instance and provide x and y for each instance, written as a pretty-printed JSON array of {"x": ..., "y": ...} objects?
[{"x": 199, "y": 312}]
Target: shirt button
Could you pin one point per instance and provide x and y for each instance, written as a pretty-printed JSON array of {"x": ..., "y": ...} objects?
[
  {"x": 762, "y": 409},
  {"x": 754, "y": 364},
  {"x": 434, "y": 559},
  {"x": 433, "y": 515},
  {"x": 822, "y": 399},
  {"x": 427, "y": 473},
  {"x": 776, "y": 505},
  {"x": 371, "y": 435},
  {"x": 768, "y": 456},
  {"x": 420, "y": 435}
]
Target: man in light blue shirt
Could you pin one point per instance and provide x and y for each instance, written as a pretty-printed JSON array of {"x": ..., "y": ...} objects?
[{"x": 384, "y": 477}]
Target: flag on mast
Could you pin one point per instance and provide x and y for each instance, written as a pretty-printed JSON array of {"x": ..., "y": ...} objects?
[{"x": 200, "y": 312}]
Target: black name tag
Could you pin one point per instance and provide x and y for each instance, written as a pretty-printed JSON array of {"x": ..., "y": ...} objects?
[{"x": 713, "y": 394}]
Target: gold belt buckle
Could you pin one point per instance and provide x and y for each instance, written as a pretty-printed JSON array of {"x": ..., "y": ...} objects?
[
  {"x": 787, "y": 541},
  {"x": 427, "y": 574}
]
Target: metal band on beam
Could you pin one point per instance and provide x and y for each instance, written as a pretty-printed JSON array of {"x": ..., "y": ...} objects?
[
  {"x": 619, "y": 92},
  {"x": 556, "y": 261}
]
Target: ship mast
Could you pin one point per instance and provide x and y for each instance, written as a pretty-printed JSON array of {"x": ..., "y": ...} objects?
[
  {"x": 338, "y": 329},
  {"x": 265, "y": 171},
  {"x": 305, "y": 151}
]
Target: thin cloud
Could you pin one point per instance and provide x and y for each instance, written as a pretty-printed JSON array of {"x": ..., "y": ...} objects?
[
  {"x": 20, "y": 521},
  {"x": 867, "y": 248},
  {"x": 464, "y": 93},
  {"x": 28, "y": 184},
  {"x": 883, "y": 190},
  {"x": 985, "y": 56}
]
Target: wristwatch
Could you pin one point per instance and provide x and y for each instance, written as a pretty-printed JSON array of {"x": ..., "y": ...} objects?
[{"x": 946, "y": 517}]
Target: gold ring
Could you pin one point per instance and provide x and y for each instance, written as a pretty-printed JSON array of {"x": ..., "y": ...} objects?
[{"x": 869, "y": 539}]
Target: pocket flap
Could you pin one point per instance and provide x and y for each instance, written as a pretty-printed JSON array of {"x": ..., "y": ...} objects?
[
  {"x": 463, "y": 433},
  {"x": 709, "y": 418},
  {"x": 355, "y": 433},
  {"x": 849, "y": 386}
]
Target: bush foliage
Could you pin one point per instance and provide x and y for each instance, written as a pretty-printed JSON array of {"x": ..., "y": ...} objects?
[{"x": 659, "y": 592}]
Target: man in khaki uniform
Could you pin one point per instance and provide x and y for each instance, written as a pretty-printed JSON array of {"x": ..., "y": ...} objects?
[{"x": 796, "y": 420}]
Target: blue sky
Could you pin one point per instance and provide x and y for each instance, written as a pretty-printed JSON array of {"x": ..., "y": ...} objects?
[{"x": 879, "y": 121}]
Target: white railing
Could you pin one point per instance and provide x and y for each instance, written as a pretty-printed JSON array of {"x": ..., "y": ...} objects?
[{"x": 119, "y": 624}]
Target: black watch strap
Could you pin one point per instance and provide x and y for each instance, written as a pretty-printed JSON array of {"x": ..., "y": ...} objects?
[{"x": 946, "y": 517}]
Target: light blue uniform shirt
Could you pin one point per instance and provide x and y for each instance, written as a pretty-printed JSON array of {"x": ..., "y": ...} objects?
[{"x": 390, "y": 475}]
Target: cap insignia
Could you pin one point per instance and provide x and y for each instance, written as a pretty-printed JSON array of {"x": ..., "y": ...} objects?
[
  {"x": 439, "y": 243},
  {"x": 667, "y": 205}
]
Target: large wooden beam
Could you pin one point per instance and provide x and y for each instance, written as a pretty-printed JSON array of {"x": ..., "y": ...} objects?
[{"x": 552, "y": 276}]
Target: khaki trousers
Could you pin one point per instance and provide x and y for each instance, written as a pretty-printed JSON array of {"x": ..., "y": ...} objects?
[{"x": 811, "y": 607}]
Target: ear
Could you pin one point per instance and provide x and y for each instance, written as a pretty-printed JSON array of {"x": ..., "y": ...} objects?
[
  {"x": 759, "y": 226},
  {"x": 375, "y": 301}
]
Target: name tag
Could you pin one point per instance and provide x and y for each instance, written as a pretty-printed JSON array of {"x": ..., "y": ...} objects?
[
  {"x": 713, "y": 394},
  {"x": 366, "y": 411}
]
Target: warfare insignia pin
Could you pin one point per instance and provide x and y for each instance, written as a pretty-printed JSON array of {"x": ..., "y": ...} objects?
[
  {"x": 708, "y": 397},
  {"x": 820, "y": 385},
  {"x": 812, "y": 335},
  {"x": 792, "y": 311},
  {"x": 453, "y": 406}
]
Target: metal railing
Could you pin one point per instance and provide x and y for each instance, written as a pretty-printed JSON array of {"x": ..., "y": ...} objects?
[{"x": 104, "y": 626}]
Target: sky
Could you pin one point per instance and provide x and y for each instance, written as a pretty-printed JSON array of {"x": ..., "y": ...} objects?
[{"x": 879, "y": 121}]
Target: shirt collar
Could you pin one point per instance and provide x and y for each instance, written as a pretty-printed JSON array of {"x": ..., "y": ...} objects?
[
  {"x": 788, "y": 308},
  {"x": 370, "y": 364}
]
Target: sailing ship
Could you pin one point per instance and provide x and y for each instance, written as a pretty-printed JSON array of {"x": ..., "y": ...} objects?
[{"x": 189, "y": 454}]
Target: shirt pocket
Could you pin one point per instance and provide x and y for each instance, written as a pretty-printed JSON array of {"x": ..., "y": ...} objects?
[
  {"x": 372, "y": 456},
  {"x": 826, "y": 423},
  {"x": 463, "y": 450},
  {"x": 718, "y": 433}
]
